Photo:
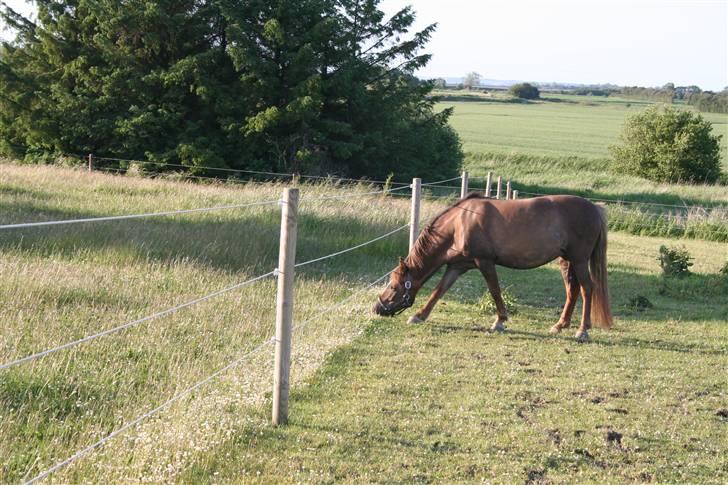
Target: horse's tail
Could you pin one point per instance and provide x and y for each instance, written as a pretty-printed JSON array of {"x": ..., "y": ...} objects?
[{"x": 601, "y": 314}]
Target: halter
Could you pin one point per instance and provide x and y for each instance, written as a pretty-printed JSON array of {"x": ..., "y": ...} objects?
[{"x": 405, "y": 299}]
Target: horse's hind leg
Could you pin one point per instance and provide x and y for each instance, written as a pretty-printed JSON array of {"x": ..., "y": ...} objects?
[
  {"x": 487, "y": 268},
  {"x": 572, "y": 293},
  {"x": 581, "y": 271},
  {"x": 451, "y": 274}
]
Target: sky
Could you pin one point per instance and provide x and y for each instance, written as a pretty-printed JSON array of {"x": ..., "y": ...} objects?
[{"x": 624, "y": 42}]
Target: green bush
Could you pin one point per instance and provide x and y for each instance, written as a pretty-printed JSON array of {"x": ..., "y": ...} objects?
[
  {"x": 524, "y": 91},
  {"x": 675, "y": 261},
  {"x": 669, "y": 145}
]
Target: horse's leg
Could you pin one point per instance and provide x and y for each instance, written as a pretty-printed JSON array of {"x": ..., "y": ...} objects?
[
  {"x": 487, "y": 268},
  {"x": 581, "y": 271},
  {"x": 451, "y": 274},
  {"x": 572, "y": 293}
]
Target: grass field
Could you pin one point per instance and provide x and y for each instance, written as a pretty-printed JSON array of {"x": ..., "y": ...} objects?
[
  {"x": 445, "y": 401},
  {"x": 560, "y": 144}
]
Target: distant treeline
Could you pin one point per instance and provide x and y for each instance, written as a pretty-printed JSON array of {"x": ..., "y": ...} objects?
[{"x": 692, "y": 95}]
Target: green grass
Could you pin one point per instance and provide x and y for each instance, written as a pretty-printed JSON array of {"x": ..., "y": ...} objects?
[
  {"x": 449, "y": 402},
  {"x": 560, "y": 145},
  {"x": 444, "y": 401}
]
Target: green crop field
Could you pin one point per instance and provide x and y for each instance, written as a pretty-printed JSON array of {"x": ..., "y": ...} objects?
[
  {"x": 560, "y": 144},
  {"x": 374, "y": 399}
]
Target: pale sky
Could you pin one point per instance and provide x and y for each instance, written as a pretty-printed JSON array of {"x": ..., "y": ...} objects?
[{"x": 624, "y": 42}]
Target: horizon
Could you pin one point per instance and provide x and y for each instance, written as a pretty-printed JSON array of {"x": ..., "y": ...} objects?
[{"x": 570, "y": 42}]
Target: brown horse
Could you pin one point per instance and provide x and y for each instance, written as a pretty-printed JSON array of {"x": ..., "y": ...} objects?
[{"x": 477, "y": 232}]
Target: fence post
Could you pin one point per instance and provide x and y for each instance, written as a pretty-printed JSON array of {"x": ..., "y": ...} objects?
[
  {"x": 90, "y": 162},
  {"x": 284, "y": 304},
  {"x": 488, "y": 181},
  {"x": 515, "y": 195},
  {"x": 464, "y": 185},
  {"x": 415, "y": 212},
  {"x": 509, "y": 191},
  {"x": 498, "y": 190}
]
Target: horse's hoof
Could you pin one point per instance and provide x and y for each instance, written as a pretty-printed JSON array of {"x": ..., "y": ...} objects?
[
  {"x": 582, "y": 336},
  {"x": 555, "y": 329},
  {"x": 498, "y": 327},
  {"x": 414, "y": 319}
]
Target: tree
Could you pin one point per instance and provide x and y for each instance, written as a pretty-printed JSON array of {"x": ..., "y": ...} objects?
[
  {"x": 311, "y": 85},
  {"x": 524, "y": 91},
  {"x": 669, "y": 145},
  {"x": 439, "y": 83},
  {"x": 472, "y": 80}
]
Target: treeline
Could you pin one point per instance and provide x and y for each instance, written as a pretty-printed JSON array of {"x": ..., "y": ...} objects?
[
  {"x": 296, "y": 86},
  {"x": 652, "y": 94},
  {"x": 711, "y": 102}
]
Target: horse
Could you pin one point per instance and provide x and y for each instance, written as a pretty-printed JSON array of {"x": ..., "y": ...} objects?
[{"x": 478, "y": 232}]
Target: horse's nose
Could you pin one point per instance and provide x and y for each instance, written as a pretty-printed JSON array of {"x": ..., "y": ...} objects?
[{"x": 378, "y": 309}]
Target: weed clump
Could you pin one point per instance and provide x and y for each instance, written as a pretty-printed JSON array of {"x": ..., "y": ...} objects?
[
  {"x": 675, "y": 261},
  {"x": 486, "y": 305}
]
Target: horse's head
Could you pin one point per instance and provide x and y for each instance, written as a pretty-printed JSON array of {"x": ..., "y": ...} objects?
[{"x": 399, "y": 294}]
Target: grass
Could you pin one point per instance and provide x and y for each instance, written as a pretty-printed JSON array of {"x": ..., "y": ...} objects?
[
  {"x": 560, "y": 145},
  {"x": 440, "y": 402},
  {"x": 448, "y": 402}
]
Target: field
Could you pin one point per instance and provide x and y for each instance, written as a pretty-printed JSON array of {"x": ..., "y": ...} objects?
[
  {"x": 560, "y": 144},
  {"x": 375, "y": 399}
]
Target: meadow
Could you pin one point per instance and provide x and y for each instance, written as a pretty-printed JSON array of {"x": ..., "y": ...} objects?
[
  {"x": 560, "y": 144},
  {"x": 374, "y": 399}
]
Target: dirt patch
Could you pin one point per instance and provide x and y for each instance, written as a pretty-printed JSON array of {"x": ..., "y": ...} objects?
[
  {"x": 613, "y": 438},
  {"x": 722, "y": 413},
  {"x": 537, "y": 477},
  {"x": 554, "y": 436}
]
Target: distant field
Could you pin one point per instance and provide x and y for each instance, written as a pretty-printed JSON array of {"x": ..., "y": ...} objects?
[
  {"x": 558, "y": 125},
  {"x": 560, "y": 144}
]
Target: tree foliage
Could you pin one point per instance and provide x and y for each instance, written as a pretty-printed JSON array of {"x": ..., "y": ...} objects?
[
  {"x": 524, "y": 91},
  {"x": 471, "y": 80},
  {"x": 669, "y": 145},
  {"x": 310, "y": 85}
]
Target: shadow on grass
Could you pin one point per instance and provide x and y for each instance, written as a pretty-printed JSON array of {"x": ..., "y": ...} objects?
[{"x": 247, "y": 240}]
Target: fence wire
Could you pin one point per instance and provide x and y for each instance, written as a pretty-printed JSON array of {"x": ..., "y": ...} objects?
[
  {"x": 135, "y": 422},
  {"x": 119, "y": 328},
  {"x": 136, "y": 216}
]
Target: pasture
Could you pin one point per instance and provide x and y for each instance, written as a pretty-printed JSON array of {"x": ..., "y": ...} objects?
[
  {"x": 560, "y": 144},
  {"x": 374, "y": 399}
]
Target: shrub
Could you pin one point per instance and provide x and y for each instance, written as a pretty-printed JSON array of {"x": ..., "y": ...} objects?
[
  {"x": 675, "y": 261},
  {"x": 524, "y": 91},
  {"x": 669, "y": 145}
]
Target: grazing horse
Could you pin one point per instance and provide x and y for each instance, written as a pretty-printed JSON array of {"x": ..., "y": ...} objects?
[{"x": 476, "y": 232}]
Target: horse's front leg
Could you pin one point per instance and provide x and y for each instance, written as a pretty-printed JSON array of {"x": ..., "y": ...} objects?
[
  {"x": 487, "y": 268},
  {"x": 451, "y": 274}
]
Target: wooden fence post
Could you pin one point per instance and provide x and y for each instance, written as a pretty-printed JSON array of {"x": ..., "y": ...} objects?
[
  {"x": 415, "y": 212},
  {"x": 509, "y": 191},
  {"x": 488, "y": 181},
  {"x": 464, "y": 185},
  {"x": 90, "y": 162},
  {"x": 515, "y": 195},
  {"x": 284, "y": 305},
  {"x": 498, "y": 190}
]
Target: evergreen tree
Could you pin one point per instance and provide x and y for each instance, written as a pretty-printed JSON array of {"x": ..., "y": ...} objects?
[{"x": 311, "y": 85}]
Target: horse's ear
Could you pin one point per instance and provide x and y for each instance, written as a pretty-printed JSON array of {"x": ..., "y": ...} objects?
[{"x": 402, "y": 265}]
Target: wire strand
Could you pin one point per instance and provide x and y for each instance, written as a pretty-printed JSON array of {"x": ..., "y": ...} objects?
[
  {"x": 119, "y": 328},
  {"x": 340, "y": 303},
  {"x": 135, "y": 216},
  {"x": 348, "y": 250},
  {"x": 350, "y": 196},
  {"x": 135, "y": 422}
]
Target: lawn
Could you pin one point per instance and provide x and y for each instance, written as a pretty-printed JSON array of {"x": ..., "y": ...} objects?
[{"x": 449, "y": 402}]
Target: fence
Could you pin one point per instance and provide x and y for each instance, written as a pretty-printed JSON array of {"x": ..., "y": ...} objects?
[{"x": 285, "y": 273}]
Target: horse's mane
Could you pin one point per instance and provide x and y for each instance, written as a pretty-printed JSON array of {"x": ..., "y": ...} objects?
[{"x": 430, "y": 237}]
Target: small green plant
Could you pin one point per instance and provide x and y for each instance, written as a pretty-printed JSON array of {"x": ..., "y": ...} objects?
[
  {"x": 724, "y": 269},
  {"x": 675, "y": 261},
  {"x": 639, "y": 303},
  {"x": 486, "y": 305}
]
